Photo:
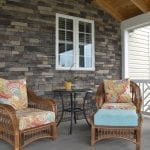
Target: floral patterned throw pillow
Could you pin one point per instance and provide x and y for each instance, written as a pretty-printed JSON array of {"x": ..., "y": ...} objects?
[
  {"x": 14, "y": 93},
  {"x": 117, "y": 91}
]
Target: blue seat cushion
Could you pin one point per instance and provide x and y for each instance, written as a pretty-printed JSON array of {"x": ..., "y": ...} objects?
[{"x": 116, "y": 117}]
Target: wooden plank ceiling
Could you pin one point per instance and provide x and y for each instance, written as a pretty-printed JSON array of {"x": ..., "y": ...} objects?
[{"x": 124, "y": 9}]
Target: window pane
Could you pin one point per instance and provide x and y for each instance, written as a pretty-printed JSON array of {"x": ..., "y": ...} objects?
[
  {"x": 88, "y": 38},
  {"x": 85, "y": 62},
  {"x": 88, "y": 62},
  {"x": 61, "y": 60},
  {"x": 81, "y": 61},
  {"x": 81, "y": 37},
  {"x": 69, "y": 47},
  {"x": 81, "y": 26},
  {"x": 69, "y": 36},
  {"x": 69, "y": 24},
  {"x": 69, "y": 61},
  {"x": 66, "y": 59},
  {"x": 62, "y": 23},
  {"x": 81, "y": 50},
  {"x": 88, "y": 27},
  {"x": 62, "y": 35},
  {"x": 88, "y": 50},
  {"x": 61, "y": 48}
]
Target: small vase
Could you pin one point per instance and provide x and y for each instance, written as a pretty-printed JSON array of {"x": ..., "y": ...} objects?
[{"x": 68, "y": 85}]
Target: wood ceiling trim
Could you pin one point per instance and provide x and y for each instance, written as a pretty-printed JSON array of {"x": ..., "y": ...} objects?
[
  {"x": 141, "y": 5},
  {"x": 119, "y": 3},
  {"x": 103, "y": 4}
]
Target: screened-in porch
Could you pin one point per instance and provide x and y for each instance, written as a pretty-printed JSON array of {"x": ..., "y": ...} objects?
[{"x": 62, "y": 61}]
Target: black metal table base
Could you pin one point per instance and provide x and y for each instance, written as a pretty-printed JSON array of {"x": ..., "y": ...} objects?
[{"x": 72, "y": 109}]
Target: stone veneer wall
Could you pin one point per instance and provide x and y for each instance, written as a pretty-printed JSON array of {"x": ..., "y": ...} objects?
[{"x": 27, "y": 42}]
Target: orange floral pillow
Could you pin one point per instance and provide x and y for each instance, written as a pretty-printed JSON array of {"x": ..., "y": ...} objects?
[
  {"x": 14, "y": 93},
  {"x": 4, "y": 92},
  {"x": 117, "y": 91}
]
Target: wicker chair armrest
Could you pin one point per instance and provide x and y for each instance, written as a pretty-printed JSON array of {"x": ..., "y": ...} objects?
[
  {"x": 35, "y": 101},
  {"x": 8, "y": 117},
  {"x": 100, "y": 96},
  {"x": 91, "y": 118},
  {"x": 138, "y": 104},
  {"x": 99, "y": 101},
  {"x": 137, "y": 98}
]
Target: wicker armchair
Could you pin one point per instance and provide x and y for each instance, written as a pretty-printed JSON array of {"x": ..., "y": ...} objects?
[
  {"x": 130, "y": 133},
  {"x": 9, "y": 123}
]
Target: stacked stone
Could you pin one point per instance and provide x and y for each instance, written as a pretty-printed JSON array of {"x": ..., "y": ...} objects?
[{"x": 27, "y": 43}]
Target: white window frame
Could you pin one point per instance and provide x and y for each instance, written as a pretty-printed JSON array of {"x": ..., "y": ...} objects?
[{"x": 75, "y": 43}]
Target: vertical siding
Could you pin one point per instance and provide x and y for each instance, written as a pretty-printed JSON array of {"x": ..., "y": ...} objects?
[{"x": 138, "y": 54}]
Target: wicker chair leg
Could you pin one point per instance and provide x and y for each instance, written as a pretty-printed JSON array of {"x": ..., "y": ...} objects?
[
  {"x": 138, "y": 141},
  {"x": 92, "y": 135},
  {"x": 17, "y": 141},
  {"x": 53, "y": 131},
  {"x": 137, "y": 146}
]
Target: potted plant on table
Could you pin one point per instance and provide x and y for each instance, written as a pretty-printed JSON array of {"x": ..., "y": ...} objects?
[
  {"x": 68, "y": 84},
  {"x": 69, "y": 80}
]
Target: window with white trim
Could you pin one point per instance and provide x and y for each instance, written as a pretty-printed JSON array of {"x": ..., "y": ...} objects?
[{"x": 74, "y": 43}]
